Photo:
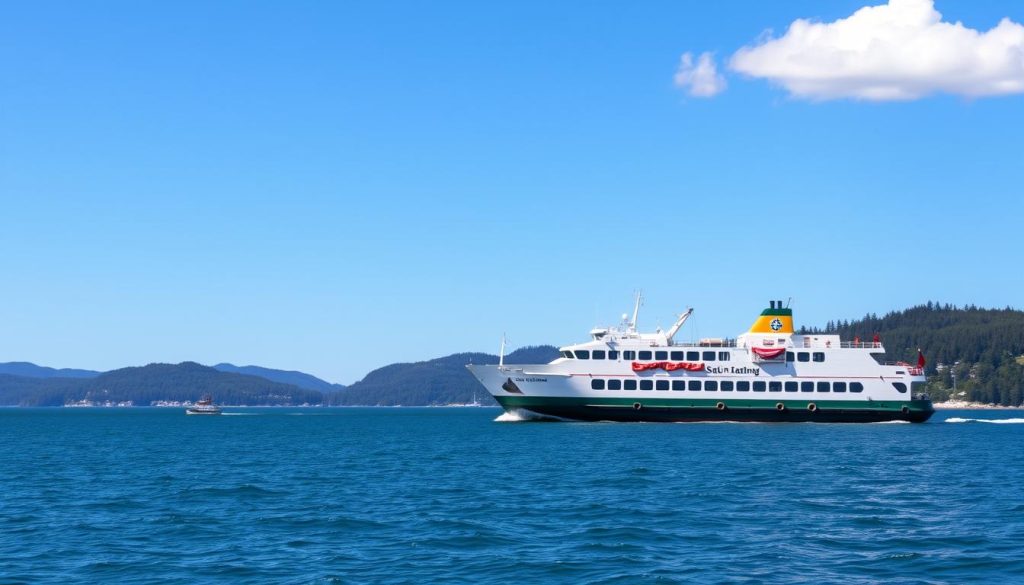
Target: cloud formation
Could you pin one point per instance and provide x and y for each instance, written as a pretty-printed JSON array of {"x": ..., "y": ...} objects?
[
  {"x": 701, "y": 79},
  {"x": 897, "y": 51}
]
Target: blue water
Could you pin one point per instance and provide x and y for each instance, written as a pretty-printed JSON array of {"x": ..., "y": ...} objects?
[{"x": 447, "y": 495}]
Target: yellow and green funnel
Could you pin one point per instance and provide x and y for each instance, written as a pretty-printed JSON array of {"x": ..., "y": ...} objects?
[{"x": 774, "y": 320}]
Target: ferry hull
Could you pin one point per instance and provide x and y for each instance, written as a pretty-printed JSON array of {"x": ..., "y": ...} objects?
[{"x": 641, "y": 410}]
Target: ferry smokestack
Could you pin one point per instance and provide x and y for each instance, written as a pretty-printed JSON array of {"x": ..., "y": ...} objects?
[{"x": 772, "y": 303}]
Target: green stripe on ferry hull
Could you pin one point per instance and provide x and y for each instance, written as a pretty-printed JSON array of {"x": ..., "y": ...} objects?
[{"x": 704, "y": 409}]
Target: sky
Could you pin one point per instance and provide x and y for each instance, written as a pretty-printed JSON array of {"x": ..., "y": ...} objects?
[{"x": 335, "y": 186}]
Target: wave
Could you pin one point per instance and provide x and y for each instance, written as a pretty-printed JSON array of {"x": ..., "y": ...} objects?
[
  {"x": 521, "y": 415},
  {"x": 998, "y": 421}
]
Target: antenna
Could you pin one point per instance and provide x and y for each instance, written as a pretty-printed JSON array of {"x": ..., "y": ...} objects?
[
  {"x": 501, "y": 352},
  {"x": 790, "y": 300},
  {"x": 636, "y": 308}
]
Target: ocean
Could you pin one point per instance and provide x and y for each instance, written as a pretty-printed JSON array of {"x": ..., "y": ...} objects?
[{"x": 449, "y": 495}]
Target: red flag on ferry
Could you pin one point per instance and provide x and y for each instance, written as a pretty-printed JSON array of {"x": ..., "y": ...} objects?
[{"x": 920, "y": 358}]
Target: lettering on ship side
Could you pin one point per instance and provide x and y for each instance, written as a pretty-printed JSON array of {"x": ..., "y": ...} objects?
[
  {"x": 744, "y": 370},
  {"x": 531, "y": 379}
]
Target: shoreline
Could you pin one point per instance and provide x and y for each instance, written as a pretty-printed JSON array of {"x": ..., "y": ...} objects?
[{"x": 961, "y": 405}]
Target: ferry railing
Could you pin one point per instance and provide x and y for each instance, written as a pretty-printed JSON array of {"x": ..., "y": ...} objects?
[
  {"x": 807, "y": 344},
  {"x": 860, "y": 344},
  {"x": 705, "y": 343},
  {"x": 911, "y": 369}
]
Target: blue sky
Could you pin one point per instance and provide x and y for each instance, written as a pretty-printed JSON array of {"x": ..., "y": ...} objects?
[{"x": 332, "y": 187}]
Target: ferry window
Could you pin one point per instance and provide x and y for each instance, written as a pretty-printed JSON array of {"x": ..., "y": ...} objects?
[
  {"x": 661, "y": 355},
  {"x": 661, "y": 385},
  {"x": 678, "y": 356},
  {"x": 615, "y": 384},
  {"x": 567, "y": 354},
  {"x": 839, "y": 386},
  {"x": 759, "y": 386},
  {"x": 916, "y": 387},
  {"x": 711, "y": 385},
  {"x": 692, "y": 356},
  {"x": 694, "y": 385},
  {"x": 775, "y": 386},
  {"x": 629, "y": 355},
  {"x": 819, "y": 356},
  {"x": 679, "y": 384},
  {"x": 597, "y": 384},
  {"x": 726, "y": 386},
  {"x": 743, "y": 386},
  {"x": 900, "y": 387},
  {"x": 598, "y": 354},
  {"x": 613, "y": 355},
  {"x": 807, "y": 386},
  {"x": 709, "y": 356},
  {"x": 803, "y": 356},
  {"x": 789, "y": 356},
  {"x": 823, "y": 386},
  {"x": 645, "y": 356},
  {"x": 723, "y": 356},
  {"x": 629, "y": 384},
  {"x": 791, "y": 386},
  {"x": 582, "y": 354},
  {"x": 647, "y": 384},
  {"x": 856, "y": 387}
]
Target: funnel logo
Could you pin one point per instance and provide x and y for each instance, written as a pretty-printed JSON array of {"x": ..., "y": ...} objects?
[{"x": 776, "y": 324}]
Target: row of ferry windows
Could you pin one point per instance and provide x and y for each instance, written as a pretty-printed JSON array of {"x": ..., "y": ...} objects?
[
  {"x": 725, "y": 385},
  {"x": 707, "y": 356},
  {"x": 646, "y": 356}
]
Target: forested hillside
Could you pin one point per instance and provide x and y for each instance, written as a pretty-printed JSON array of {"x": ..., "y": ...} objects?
[
  {"x": 439, "y": 381},
  {"x": 156, "y": 382},
  {"x": 982, "y": 348},
  {"x": 295, "y": 378}
]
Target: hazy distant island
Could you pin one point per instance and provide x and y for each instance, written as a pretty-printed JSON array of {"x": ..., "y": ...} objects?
[{"x": 982, "y": 348}]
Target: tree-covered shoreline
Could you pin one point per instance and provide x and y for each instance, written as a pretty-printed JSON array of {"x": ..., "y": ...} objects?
[{"x": 982, "y": 348}]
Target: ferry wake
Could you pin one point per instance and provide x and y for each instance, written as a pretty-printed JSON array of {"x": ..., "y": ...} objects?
[{"x": 770, "y": 373}]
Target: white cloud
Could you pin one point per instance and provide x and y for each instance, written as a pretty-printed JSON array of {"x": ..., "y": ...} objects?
[
  {"x": 700, "y": 80},
  {"x": 898, "y": 51}
]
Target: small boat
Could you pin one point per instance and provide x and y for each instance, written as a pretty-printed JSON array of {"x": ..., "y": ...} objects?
[{"x": 205, "y": 405}]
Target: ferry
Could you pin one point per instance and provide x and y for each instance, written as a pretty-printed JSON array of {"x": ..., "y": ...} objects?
[{"x": 768, "y": 374}]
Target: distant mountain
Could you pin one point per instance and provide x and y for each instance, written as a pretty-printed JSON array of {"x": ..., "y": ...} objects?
[
  {"x": 142, "y": 386},
  {"x": 439, "y": 381},
  {"x": 300, "y": 379},
  {"x": 982, "y": 348},
  {"x": 30, "y": 370}
]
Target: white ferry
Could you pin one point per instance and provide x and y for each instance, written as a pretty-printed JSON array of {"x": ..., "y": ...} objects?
[{"x": 769, "y": 373}]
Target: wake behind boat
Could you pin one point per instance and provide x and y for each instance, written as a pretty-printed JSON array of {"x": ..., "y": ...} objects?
[
  {"x": 769, "y": 373},
  {"x": 204, "y": 405}
]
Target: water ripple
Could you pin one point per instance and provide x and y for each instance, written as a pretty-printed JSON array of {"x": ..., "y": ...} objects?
[{"x": 449, "y": 495}]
